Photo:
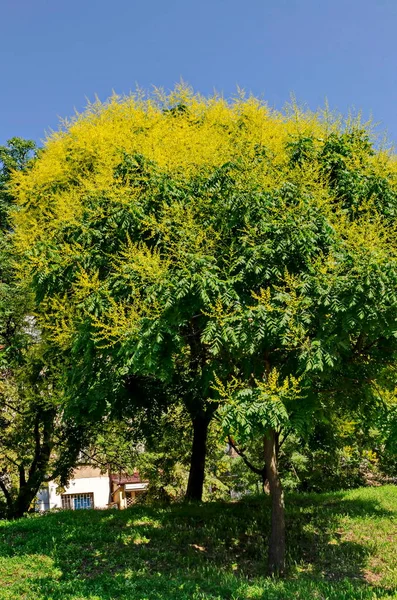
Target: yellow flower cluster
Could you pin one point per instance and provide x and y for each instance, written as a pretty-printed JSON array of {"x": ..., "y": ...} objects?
[
  {"x": 204, "y": 133},
  {"x": 184, "y": 135}
]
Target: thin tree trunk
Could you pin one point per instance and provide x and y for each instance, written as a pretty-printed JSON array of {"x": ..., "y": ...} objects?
[
  {"x": 276, "y": 556},
  {"x": 7, "y": 495},
  {"x": 195, "y": 484},
  {"x": 28, "y": 487}
]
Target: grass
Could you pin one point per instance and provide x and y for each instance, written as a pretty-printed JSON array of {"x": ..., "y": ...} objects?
[{"x": 340, "y": 547}]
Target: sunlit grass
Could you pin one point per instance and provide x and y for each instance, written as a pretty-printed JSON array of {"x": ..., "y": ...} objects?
[{"x": 341, "y": 546}]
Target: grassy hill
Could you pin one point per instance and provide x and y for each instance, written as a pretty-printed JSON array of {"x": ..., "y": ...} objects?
[{"x": 341, "y": 546}]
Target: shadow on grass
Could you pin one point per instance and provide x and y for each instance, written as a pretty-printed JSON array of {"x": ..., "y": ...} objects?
[
  {"x": 212, "y": 551},
  {"x": 329, "y": 536}
]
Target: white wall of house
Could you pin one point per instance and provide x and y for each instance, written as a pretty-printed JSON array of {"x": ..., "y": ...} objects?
[
  {"x": 86, "y": 480},
  {"x": 43, "y": 499},
  {"x": 99, "y": 486}
]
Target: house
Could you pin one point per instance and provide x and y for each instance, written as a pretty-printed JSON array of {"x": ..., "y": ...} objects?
[
  {"x": 126, "y": 489},
  {"x": 91, "y": 488}
]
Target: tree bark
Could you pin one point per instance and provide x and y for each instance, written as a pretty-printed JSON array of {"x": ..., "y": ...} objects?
[
  {"x": 195, "y": 484},
  {"x": 276, "y": 556},
  {"x": 24, "y": 500},
  {"x": 28, "y": 487},
  {"x": 4, "y": 489}
]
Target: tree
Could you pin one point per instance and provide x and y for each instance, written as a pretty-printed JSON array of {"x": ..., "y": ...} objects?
[
  {"x": 17, "y": 155},
  {"x": 37, "y": 440},
  {"x": 247, "y": 256}
]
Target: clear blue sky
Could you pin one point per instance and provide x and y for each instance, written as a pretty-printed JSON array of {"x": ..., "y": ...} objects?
[{"x": 56, "y": 53}]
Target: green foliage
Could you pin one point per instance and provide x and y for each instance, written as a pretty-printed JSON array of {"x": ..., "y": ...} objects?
[
  {"x": 37, "y": 439},
  {"x": 15, "y": 156},
  {"x": 384, "y": 436},
  {"x": 211, "y": 249},
  {"x": 160, "y": 452},
  {"x": 248, "y": 412},
  {"x": 183, "y": 269},
  {"x": 213, "y": 551},
  {"x": 159, "y": 449}
]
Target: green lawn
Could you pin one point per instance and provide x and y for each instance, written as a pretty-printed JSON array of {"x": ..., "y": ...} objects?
[{"x": 340, "y": 546}]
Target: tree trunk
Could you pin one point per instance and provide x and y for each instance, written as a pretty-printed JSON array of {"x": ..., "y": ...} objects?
[
  {"x": 5, "y": 490},
  {"x": 195, "y": 484},
  {"x": 24, "y": 500},
  {"x": 30, "y": 485},
  {"x": 276, "y": 556}
]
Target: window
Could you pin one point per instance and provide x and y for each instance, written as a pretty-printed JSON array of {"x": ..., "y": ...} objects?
[
  {"x": 77, "y": 501},
  {"x": 130, "y": 497}
]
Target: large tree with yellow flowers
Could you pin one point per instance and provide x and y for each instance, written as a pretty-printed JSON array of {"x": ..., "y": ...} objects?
[{"x": 244, "y": 259}]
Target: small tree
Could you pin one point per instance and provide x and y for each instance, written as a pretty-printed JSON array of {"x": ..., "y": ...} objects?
[
  {"x": 247, "y": 256},
  {"x": 37, "y": 440}
]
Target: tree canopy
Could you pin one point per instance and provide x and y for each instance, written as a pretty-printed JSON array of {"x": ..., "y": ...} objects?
[{"x": 246, "y": 256}]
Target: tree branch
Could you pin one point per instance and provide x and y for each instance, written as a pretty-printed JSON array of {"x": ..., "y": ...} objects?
[
  {"x": 11, "y": 407},
  {"x": 37, "y": 445},
  {"x": 6, "y": 493},
  {"x": 241, "y": 453},
  {"x": 11, "y": 460},
  {"x": 284, "y": 438}
]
